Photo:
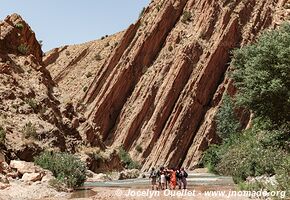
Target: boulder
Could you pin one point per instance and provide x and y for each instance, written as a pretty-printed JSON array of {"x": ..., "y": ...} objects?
[
  {"x": 25, "y": 167},
  {"x": 31, "y": 177},
  {"x": 3, "y": 186},
  {"x": 47, "y": 176},
  {"x": 129, "y": 174}
]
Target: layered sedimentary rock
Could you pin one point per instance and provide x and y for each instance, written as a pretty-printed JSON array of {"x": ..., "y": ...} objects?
[
  {"x": 156, "y": 87},
  {"x": 161, "y": 86}
]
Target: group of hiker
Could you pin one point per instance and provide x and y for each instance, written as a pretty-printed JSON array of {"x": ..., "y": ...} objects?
[{"x": 165, "y": 178}]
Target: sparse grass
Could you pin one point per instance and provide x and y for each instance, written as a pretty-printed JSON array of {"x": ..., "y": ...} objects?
[
  {"x": 19, "y": 26},
  {"x": 29, "y": 131},
  {"x": 23, "y": 49}
]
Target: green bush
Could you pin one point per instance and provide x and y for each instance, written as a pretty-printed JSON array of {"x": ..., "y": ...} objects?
[
  {"x": 186, "y": 17},
  {"x": 85, "y": 88},
  {"x": 23, "y": 49},
  {"x": 262, "y": 75},
  {"x": 29, "y": 131},
  {"x": 248, "y": 156},
  {"x": 283, "y": 175},
  {"x": 19, "y": 26},
  {"x": 142, "y": 12},
  {"x": 67, "y": 168},
  {"x": 32, "y": 103},
  {"x": 139, "y": 149},
  {"x": 127, "y": 160},
  {"x": 226, "y": 121},
  {"x": 2, "y": 135}
]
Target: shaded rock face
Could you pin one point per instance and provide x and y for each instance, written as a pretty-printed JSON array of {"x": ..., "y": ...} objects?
[{"x": 161, "y": 84}]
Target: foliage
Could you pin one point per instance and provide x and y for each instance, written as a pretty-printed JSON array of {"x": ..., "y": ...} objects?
[
  {"x": 29, "y": 131},
  {"x": 67, "y": 168},
  {"x": 226, "y": 120},
  {"x": 85, "y": 88},
  {"x": 19, "y": 26},
  {"x": 142, "y": 12},
  {"x": 32, "y": 103},
  {"x": 98, "y": 57},
  {"x": 2, "y": 135},
  {"x": 283, "y": 175},
  {"x": 23, "y": 49},
  {"x": 126, "y": 159},
  {"x": 262, "y": 75},
  {"x": 139, "y": 149},
  {"x": 186, "y": 17},
  {"x": 89, "y": 74},
  {"x": 257, "y": 151}
]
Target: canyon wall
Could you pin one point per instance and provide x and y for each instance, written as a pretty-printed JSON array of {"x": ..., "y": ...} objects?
[{"x": 155, "y": 88}]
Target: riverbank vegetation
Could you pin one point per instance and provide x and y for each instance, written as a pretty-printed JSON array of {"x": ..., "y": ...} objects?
[{"x": 262, "y": 77}]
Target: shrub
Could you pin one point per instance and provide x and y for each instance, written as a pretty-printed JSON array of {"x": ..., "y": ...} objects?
[
  {"x": 283, "y": 175},
  {"x": 262, "y": 75},
  {"x": 247, "y": 156},
  {"x": 19, "y": 26},
  {"x": 98, "y": 57},
  {"x": 85, "y": 88},
  {"x": 170, "y": 48},
  {"x": 67, "y": 168},
  {"x": 186, "y": 17},
  {"x": 127, "y": 160},
  {"x": 142, "y": 12},
  {"x": 29, "y": 131},
  {"x": 32, "y": 103},
  {"x": 23, "y": 49},
  {"x": 139, "y": 149},
  {"x": 226, "y": 120},
  {"x": 107, "y": 44},
  {"x": 89, "y": 74},
  {"x": 2, "y": 135}
]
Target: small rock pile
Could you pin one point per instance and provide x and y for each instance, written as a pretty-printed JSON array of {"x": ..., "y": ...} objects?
[{"x": 23, "y": 171}]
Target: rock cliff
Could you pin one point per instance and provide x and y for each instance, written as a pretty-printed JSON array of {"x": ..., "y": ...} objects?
[
  {"x": 31, "y": 116},
  {"x": 155, "y": 88}
]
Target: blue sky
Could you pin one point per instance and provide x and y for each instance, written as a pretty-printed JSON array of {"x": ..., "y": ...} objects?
[{"x": 60, "y": 22}]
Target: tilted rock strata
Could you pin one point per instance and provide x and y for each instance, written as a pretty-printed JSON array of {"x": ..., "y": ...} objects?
[{"x": 160, "y": 87}]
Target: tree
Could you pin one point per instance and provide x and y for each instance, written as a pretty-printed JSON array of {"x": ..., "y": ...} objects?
[{"x": 262, "y": 75}]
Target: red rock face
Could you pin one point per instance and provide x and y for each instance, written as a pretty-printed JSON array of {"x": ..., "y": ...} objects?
[
  {"x": 15, "y": 34},
  {"x": 161, "y": 86}
]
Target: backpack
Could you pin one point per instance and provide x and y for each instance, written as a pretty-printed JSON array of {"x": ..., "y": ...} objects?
[{"x": 153, "y": 174}]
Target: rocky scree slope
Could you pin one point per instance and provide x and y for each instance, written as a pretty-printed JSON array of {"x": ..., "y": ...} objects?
[{"x": 30, "y": 113}]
